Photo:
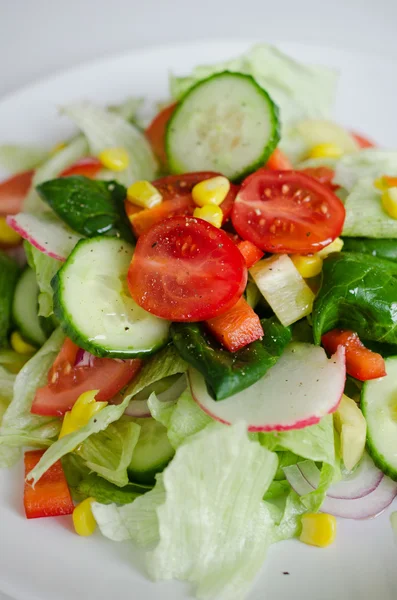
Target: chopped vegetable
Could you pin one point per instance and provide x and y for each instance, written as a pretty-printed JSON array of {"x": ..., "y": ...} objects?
[
  {"x": 389, "y": 202},
  {"x": 115, "y": 159},
  {"x": 83, "y": 519},
  {"x": 318, "y": 530},
  {"x": 250, "y": 252},
  {"x": 309, "y": 265},
  {"x": 144, "y": 194},
  {"x": 83, "y": 409},
  {"x": 237, "y": 327},
  {"x": 352, "y": 428},
  {"x": 361, "y": 363},
  {"x": 19, "y": 345},
  {"x": 88, "y": 166},
  {"x": 211, "y": 191},
  {"x": 325, "y": 151}
]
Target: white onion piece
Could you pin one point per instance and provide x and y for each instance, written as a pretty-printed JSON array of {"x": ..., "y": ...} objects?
[
  {"x": 296, "y": 480},
  {"x": 139, "y": 408},
  {"x": 364, "y": 480}
]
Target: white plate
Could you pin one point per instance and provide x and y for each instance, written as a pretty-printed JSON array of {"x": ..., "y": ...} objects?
[{"x": 42, "y": 559}]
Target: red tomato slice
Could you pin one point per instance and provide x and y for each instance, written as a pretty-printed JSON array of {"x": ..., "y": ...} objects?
[
  {"x": 279, "y": 162},
  {"x": 324, "y": 175},
  {"x": 50, "y": 497},
  {"x": 13, "y": 192},
  {"x": 237, "y": 327},
  {"x": 156, "y": 132},
  {"x": 361, "y": 363},
  {"x": 287, "y": 211},
  {"x": 184, "y": 269},
  {"x": 67, "y": 381},
  {"x": 89, "y": 166},
  {"x": 176, "y": 191},
  {"x": 362, "y": 141}
]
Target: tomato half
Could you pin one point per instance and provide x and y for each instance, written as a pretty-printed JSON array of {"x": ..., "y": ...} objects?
[
  {"x": 324, "y": 175},
  {"x": 287, "y": 212},
  {"x": 13, "y": 192},
  {"x": 156, "y": 130},
  {"x": 88, "y": 166},
  {"x": 176, "y": 191},
  {"x": 67, "y": 381},
  {"x": 184, "y": 269},
  {"x": 363, "y": 141}
]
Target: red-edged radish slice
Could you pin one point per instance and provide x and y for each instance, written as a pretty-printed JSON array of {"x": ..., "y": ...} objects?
[
  {"x": 48, "y": 235},
  {"x": 364, "y": 480},
  {"x": 301, "y": 388}
]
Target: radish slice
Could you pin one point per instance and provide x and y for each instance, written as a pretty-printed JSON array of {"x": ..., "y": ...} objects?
[
  {"x": 140, "y": 408},
  {"x": 364, "y": 480},
  {"x": 48, "y": 235},
  {"x": 367, "y": 507},
  {"x": 301, "y": 388}
]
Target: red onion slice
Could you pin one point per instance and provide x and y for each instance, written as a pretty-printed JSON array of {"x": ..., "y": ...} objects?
[{"x": 84, "y": 358}]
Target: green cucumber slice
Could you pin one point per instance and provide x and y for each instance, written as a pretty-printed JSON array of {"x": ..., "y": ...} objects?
[
  {"x": 225, "y": 123},
  {"x": 152, "y": 453},
  {"x": 25, "y": 308},
  {"x": 94, "y": 307},
  {"x": 379, "y": 407}
]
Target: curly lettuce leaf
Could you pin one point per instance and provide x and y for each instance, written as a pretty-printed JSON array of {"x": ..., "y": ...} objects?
[
  {"x": 365, "y": 216},
  {"x": 370, "y": 163},
  {"x": 45, "y": 268}
]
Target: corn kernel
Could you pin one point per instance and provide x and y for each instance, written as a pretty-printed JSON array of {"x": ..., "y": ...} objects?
[
  {"x": 389, "y": 202},
  {"x": 210, "y": 213},
  {"x": 83, "y": 519},
  {"x": 318, "y": 530},
  {"x": 144, "y": 194},
  {"x": 115, "y": 159},
  {"x": 19, "y": 345},
  {"x": 335, "y": 246},
  {"x": 8, "y": 236},
  {"x": 308, "y": 266},
  {"x": 325, "y": 151},
  {"x": 58, "y": 147},
  {"x": 211, "y": 191}
]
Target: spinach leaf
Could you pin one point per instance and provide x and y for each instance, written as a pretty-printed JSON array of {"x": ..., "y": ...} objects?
[
  {"x": 358, "y": 292},
  {"x": 9, "y": 273},
  {"x": 227, "y": 373},
  {"x": 382, "y": 248},
  {"x": 105, "y": 492},
  {"x": 88, "y": 206}
]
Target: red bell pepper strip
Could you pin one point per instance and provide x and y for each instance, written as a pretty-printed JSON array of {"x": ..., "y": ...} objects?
[
  {"x": 250, "y": 252},
  {"x": 361, "y": 363},
  {"x": 50, "y": 497},
  {"x": 89, "y": 166},
  {"x": 237, "y": 327},
  {"x": 279, "y": 162}
]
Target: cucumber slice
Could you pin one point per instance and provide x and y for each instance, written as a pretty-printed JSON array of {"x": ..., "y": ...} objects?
[
  {"x": 152, "y": 453},
  {"x": 9, "y": 273},
  {"x": 25, "y": 308},
  {"x": 379, "y": 407},
  {"x": 226, "y": 123},
  {"x": 94, "y": 307}
]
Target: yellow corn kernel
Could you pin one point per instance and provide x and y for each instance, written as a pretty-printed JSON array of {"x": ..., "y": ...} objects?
[
  {"x": 144, "y": 194},
  {"x": 325, "y": 151},
  {"x": 308, "y": 266},
  {"x": 389, "y": 202},
  {"x": 318, "y": 530},
  {"x": 335, "y": 246},
  {"x": 8, "y": 236},
  {"x": 58, "y": 147},
  {"x": 211, "y": 191},
  {"x": 83, "y": 519},
  {"x": 210, "y": 213},
  {"x": 19, "y": 345},
  {"x": 115, "y": 159}
]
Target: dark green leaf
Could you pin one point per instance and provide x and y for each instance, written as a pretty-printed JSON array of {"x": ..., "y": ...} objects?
[
  {"x": 105, "y": 492},
  {"x": 382, "y": 248},
  {"x": 358, "y": 292},
  {"x": 227, "y": 373},
  {"x": 9, "y": 273},
  {"x": 88, "y": 206}
]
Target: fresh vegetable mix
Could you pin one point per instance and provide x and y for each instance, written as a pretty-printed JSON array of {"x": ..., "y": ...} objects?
[{"x": 204, "y": 337}]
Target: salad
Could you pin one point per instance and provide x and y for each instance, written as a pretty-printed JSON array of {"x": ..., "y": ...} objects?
[{"x": 198, "y": 332}]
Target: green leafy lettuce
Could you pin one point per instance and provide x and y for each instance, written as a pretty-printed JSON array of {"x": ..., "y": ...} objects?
[
  {"x": 371, "y": 164},
  {"x": 365, "y": 216},
  {"x": 358, "y": 292},
  {"x": 45, "y": 268},
  {"x": 16, "y": 158}
]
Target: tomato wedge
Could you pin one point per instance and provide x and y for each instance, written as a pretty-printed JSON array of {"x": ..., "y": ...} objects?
[
  {"x": 176, "y": 191},
  {"x": 324, "y": 175},
  {"x": 287, "y": 212},
  {"x": 237, "y": 327},
  {"x": 363, "y": 141},
  {"x": 361, "y": 363},
  {"x": 50, "y": 497},
  {"x": 89, "y": 166},
  {"x": 13, "y": 192},
  {"x": 67, "y": 380},
  {"x": 279, "y": 162},
  {"x": 184, "y": 269},
  {"x": 155, "y": 132}
]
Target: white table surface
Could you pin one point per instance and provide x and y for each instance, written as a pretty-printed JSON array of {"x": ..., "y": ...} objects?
[{"x": 41, "y": 37}]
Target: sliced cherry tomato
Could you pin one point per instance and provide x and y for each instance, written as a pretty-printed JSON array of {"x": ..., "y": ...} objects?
[
  {"x": 67, "y": 381},
  {"x": 362, "y": 141},
  {"x": 13, "y": 192},
  {"x": 176, "y": 191},
  {"x": 155, "y": 132},
  {"x": 279, "y": 162},
  {"x": 237, "y": 327},
  {"x": 184, "y": 269},
  {"x": 287, "y": 212},
  {"x": 250, "y": 252},
  {"x": 89, "y": 166},
  {"x": 361, "y": 363},
  {"x": 324, "y": 175},
  {"x": 50, "y": 497}
]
